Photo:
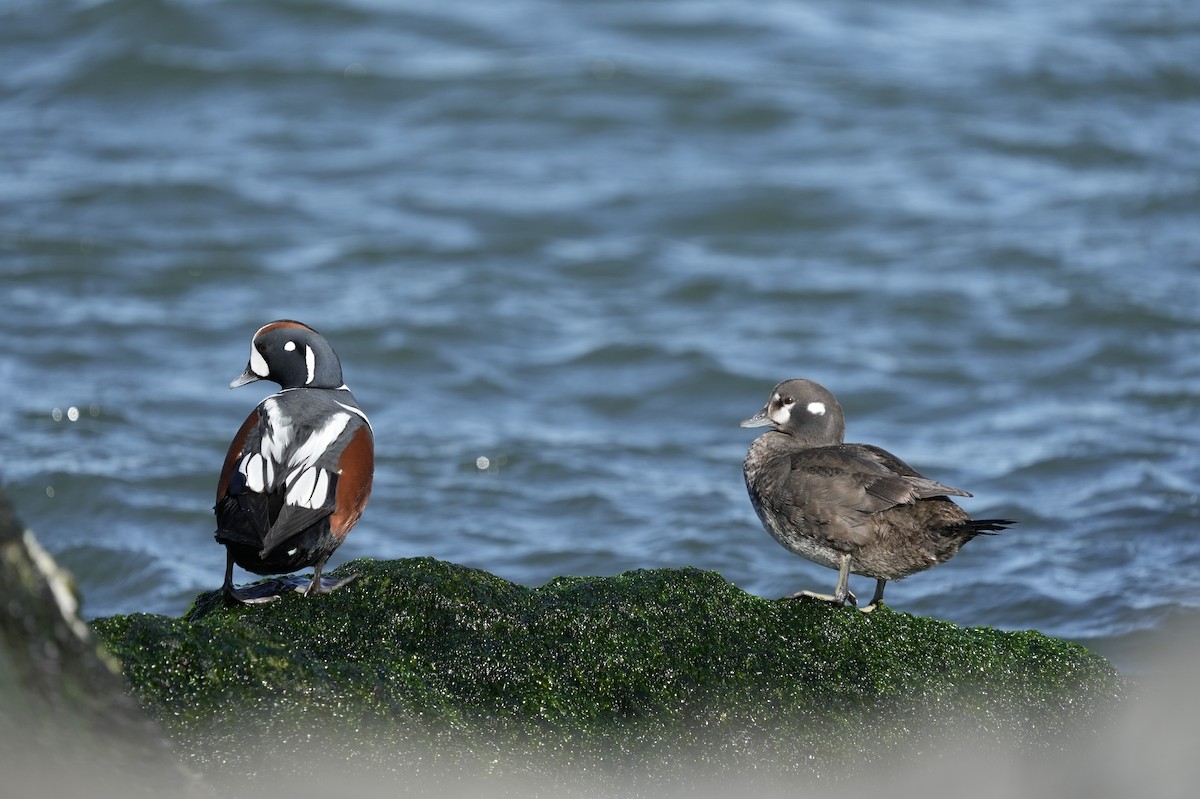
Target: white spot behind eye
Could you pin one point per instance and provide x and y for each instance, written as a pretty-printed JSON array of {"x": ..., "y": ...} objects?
[
  {"x": 291, "y": 345},
  {"x": 816, "y": 408}
]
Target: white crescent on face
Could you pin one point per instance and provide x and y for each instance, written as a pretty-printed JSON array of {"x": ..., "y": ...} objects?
[
  {"x": 258, "y": 364},
  {"x": 782, "y": 414}
]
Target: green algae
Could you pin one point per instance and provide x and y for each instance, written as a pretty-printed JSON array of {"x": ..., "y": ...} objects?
[{"x": 648, "y": 671}]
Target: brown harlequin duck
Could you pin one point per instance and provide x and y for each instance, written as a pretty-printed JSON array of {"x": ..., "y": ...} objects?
[
  {"x": 299, "y": 471},
  {"x": 852, "y": 507}
]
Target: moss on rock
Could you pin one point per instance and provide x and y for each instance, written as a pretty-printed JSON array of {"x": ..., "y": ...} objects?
[{"x": 422, "y": 664}]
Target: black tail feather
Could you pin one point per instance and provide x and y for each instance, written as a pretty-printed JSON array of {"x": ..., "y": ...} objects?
[{"x": 988, "y": 526}]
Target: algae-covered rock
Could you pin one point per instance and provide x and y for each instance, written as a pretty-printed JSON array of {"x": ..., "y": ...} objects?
[
  {"x": 422, "y": 665},
  {"x": 66, "y": 720}
]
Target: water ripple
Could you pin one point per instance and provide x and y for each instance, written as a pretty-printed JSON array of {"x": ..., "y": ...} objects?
[{"x": 582, "y": 241}]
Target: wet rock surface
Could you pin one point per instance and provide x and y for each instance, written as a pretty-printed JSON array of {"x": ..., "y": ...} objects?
[
  {"x": 66, "y": 718},
  {"x": 421, "y": 667}
]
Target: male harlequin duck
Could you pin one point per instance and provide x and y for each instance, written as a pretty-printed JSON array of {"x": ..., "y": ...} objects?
[
  {"x": 851, "y": 507},
  {"x": 299, "y": 472}
]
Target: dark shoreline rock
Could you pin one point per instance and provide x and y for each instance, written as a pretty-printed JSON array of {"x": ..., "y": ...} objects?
[
  {"x": 66, "y": 719},
  {"x": 425, "y": 667}
]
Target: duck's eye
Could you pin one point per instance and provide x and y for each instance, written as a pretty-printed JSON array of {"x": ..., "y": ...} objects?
[{"x": 787, "y": 401}]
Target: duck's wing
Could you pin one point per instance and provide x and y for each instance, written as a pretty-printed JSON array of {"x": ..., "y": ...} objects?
[
  {"x": 279, "y": 479},
  {"x": 840, "y": 488},
  {"x": 244, "y": 515},
  {"x": 914, "y": 485}
]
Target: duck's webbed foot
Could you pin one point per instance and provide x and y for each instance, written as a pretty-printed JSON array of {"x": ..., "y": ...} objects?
[
  {"x": 842, "y": 593},
  {"x": 877, "y": 599},
  {"x": 258, "y": 594},
  {"x": 270, "y": 590},
  {"x": 832, "y": 599},
  {"x": 323, "y": 585}
]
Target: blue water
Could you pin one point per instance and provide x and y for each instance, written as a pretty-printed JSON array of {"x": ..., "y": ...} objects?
[{"x": 582, "y": 241}]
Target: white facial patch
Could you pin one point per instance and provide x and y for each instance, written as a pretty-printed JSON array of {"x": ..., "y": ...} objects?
[
  {"x": 258, "y": 364},
  {"x": 289, "y": 347},
  {"x": 816, "y": 408},
  {"x": 782, "y": 414},
  {"x": 310, "y": 360}
]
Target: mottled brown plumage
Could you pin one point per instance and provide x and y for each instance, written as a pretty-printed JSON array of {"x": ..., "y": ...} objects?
[{"x": 852, "y": 507}]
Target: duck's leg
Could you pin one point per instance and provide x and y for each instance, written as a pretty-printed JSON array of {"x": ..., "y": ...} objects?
[
  {"x": 324, "y": 586},
  {"x": 876, "y": 600},
  {"x": 841, "y": 594},
  {"x": 235, "y": 597}
]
